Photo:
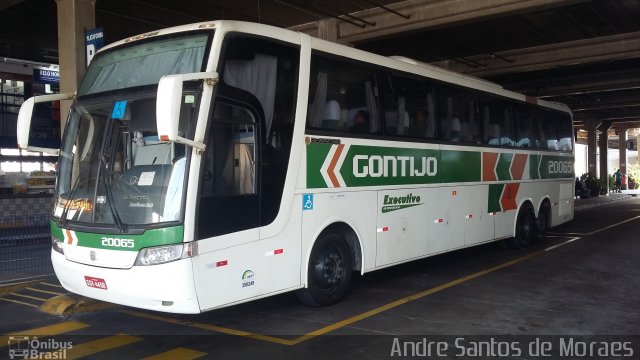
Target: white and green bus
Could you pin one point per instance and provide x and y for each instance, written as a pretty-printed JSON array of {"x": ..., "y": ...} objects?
[{"x": 211, "y": 164}]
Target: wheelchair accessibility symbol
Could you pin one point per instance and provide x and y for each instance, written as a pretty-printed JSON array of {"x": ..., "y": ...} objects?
[{"x": 307, "y": 202}]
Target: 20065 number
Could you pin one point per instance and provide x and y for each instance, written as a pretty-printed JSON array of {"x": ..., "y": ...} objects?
[{"x": 116, "y": 242}]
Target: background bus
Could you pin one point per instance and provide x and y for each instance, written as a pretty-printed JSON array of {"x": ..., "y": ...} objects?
[{"x": 216, "y": 163}]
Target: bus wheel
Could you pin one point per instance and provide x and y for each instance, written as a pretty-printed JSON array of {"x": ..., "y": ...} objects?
[
  {"x": 525, "y": 229},
  {"x": 329, "y": 272},
  {"x": 542, "y": 222}
]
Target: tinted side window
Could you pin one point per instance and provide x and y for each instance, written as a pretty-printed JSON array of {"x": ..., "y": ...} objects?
[
  {"x": 408, "y": 107},
  {"x": 458, "y": 114},
  {"x": 343, "y": 96}
]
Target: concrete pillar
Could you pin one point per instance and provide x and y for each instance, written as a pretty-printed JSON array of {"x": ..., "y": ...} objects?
[
  {"x": 328, "y": 29},
  {"x": 638, "y": 148},
  {"x": 622, "y": 147},
  {"x": 604, "y": 158},
  {"x": 592, "y": 145},
  {"x": 74, "y": 18}
]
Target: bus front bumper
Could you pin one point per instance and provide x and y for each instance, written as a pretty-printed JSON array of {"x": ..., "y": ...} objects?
[{"x": 166, "y": 287}]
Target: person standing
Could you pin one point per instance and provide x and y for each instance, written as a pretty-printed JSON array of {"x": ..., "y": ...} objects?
[{"x": 618, "y": 180}]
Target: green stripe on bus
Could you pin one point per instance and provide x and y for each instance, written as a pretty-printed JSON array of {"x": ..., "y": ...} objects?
[
  {"x": 534, "y": 164},
  {"x": 503, "y": 166},
  {"x": 151, "y": 237},
  {"x": 56, "y": 232},
  {"x": 316, "y": 154},
  {"x": 495, "y": 193},
  {"x": 363, "y": 165},
  {"x": 556, "y": 167},
  {"x": 460, "y": 166}
]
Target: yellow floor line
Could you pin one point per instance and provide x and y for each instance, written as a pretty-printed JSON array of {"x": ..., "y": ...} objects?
[
  {"x": 28, "y": 296},
  {"x": 19, "y": 302},
  {"x": 339, "y": 324},
  {"x": 215, "y": 328},
  {"x": 405, "y": 300},
  {"x": 44, "y": 291},
  {"x": 362, "y": 316},
  {"x": 96, "y": 346},
  {"x": 613, "y": 225},
  {"x": 54, "y": 285},
  {"x": 177, "y": 353},
  {"x": 49, "y": 330}
]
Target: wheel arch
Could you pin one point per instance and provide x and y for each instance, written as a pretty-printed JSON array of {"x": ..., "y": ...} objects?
[{"x": 351, "y": 238}]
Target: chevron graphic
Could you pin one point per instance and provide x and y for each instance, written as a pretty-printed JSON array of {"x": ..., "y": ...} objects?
[
  {"x": 70, "y": 237},
  {"x": 332, "y": 164}
]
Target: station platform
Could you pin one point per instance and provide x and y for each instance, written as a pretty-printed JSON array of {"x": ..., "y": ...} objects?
[{"x": 582, "y": 204}]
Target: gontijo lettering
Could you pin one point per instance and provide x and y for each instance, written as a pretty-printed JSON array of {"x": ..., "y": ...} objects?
[{"x": 394, "y": 166}]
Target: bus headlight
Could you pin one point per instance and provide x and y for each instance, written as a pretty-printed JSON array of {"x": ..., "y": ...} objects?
[
  {"x": 164, "y": 254},
  {"x": 57, "y": 245}
]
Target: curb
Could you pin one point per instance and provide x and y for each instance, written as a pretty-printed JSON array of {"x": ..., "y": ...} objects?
[{"x": 596, "y": 204}]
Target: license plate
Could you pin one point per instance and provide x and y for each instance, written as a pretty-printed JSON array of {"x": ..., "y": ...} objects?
[{"x": 95, "y": 282}]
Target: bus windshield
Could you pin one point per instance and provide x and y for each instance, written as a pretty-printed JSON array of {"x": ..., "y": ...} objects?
[{"x": 113, "y": 168}]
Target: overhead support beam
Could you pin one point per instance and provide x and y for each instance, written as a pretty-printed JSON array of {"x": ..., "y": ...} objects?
[
  {"x": 616, "y": 101},
  {"x": 9, "y": 3},
  {"x": 628, "y": 114},
  {"x": 606, "y": 48},
  {"x": 578, "y": 84},
  {"x": 417, "y": 15}
]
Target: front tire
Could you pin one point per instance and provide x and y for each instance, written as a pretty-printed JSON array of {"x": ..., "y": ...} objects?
[
  {"x": 525, "y": 229},
  {"x": 328, "y": 273}
]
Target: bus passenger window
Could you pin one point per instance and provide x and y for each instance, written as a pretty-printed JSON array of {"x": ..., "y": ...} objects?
[{"x": 340, "y": 89}]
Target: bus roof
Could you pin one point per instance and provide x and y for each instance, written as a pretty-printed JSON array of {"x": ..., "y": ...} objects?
[{"x": 410, "y": 64}]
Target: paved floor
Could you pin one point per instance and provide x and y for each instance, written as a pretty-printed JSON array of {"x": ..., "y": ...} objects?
[{"x": 581, "y": 286}]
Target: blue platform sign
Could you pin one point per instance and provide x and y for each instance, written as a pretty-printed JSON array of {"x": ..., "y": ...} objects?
[
  {"x": 94, "y": 40},
  {"x": 119, "y": 110},
  {"x": 46, "y": 76}
]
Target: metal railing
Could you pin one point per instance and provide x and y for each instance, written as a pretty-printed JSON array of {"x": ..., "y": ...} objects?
[{"x": 25, "y": 246}]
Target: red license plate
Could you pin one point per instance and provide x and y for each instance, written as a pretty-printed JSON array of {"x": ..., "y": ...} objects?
[{"x": 95, "y": 282}]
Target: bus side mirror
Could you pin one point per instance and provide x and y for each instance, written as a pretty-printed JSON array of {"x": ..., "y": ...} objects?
[
  {"x": 168, "y": 104},
  {"x": 25, "y": 135}
]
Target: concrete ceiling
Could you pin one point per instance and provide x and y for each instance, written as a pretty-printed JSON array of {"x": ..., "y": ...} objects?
[{"x": 582, "y": 53}]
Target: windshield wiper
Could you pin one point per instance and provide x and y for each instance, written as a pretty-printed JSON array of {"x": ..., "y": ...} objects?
[
  {"x": 104, "y": 171},
  {"x": 67, "y": 204},
  {"x": 114, "y": 212}
]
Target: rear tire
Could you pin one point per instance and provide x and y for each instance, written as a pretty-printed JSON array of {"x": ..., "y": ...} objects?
[
  {"x": 542, "y": 222},
  {"x": 525, "y": 229},
  {"x": 328, "y": 273}
]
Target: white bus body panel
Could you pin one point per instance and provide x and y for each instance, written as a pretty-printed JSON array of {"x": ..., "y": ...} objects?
[
  {"x": 239, "y": 267},
  {"x": 144, "y": 287}
]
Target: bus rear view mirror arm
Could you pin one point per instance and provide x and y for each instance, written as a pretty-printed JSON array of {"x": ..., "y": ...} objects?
[
  {"x": 169, "y": 102},
  {"x": 24, "y": 120}
]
